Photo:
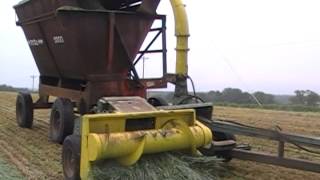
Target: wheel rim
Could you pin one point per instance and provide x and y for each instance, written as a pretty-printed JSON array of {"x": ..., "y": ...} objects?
[{"x": 69, "y": 162}]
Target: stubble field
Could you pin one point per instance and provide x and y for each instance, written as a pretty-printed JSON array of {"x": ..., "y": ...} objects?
[{"x": 28, "y": 154}]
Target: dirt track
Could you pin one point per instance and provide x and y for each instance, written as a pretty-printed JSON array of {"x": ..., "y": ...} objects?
[
  {"x": 28, "y": 153},
  {"x": 28, "y": 150}
]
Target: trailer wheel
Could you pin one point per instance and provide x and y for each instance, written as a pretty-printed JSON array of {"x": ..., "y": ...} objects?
[
  {"x": 157, "y": 101},
  {"x": 61, "y": 120},
  {"x": 71, "y": 157},
  {"x": 219, "y": 136},
  {"x": 24, "y": 110}
]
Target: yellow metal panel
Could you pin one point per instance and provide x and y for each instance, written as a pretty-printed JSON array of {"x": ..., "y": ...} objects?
[
  {"x": 101, "y": 136},
  {"x": 84, "y": 160},
  {"x": 102, "y": 123},
  {"x": 106, "y": 123}
]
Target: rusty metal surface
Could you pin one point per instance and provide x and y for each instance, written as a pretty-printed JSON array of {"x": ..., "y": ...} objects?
[
  {"x": 42, "y": 103},
  {"x": 60, "y": 92},
  {"x": 68, "y": 46},
  {"x": 93, "y": 91},
  {"x": 148, "y": 6},
  {"x": 85, "y": 50},
  {"x": 74, "y": 43}
]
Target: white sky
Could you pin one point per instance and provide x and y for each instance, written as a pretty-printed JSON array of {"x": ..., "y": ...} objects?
[{"x": 268, "y": 45}]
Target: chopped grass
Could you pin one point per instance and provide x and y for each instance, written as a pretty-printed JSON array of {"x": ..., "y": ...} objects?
[
  {"x": 169, "y": 166},
  {"x": 9, "y": 171}
]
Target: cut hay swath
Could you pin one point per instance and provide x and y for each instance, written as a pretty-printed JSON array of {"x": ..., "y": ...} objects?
[{"x": 171, "y": 166}]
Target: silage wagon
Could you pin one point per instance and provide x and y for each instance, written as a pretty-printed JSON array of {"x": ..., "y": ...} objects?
[{"x": 86, "y": 52}]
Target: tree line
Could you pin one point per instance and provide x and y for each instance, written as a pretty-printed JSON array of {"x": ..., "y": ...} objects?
[
  {"x": 4, "y": 87},
  {"x": 234, "y": 96},
  {"x": 237, "y": 96},
  {"x": 305, "y": 97}
]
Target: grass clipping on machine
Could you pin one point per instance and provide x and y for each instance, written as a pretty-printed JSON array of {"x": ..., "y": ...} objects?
[{"x": 161, "y": 166}]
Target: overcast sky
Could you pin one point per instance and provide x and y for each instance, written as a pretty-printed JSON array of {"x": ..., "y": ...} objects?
[{"x": 268, "y": 45}]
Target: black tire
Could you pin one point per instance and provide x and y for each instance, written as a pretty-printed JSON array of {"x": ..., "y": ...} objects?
[
  {"x": 71, "y": 157},
  {"x": 219, "y": 136},
  {"x": 157, "y": 101},
  {"x": 61, "y": 120},
  {"x": 24, "y": 110},
  {"x": 190, "y": 99}
]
